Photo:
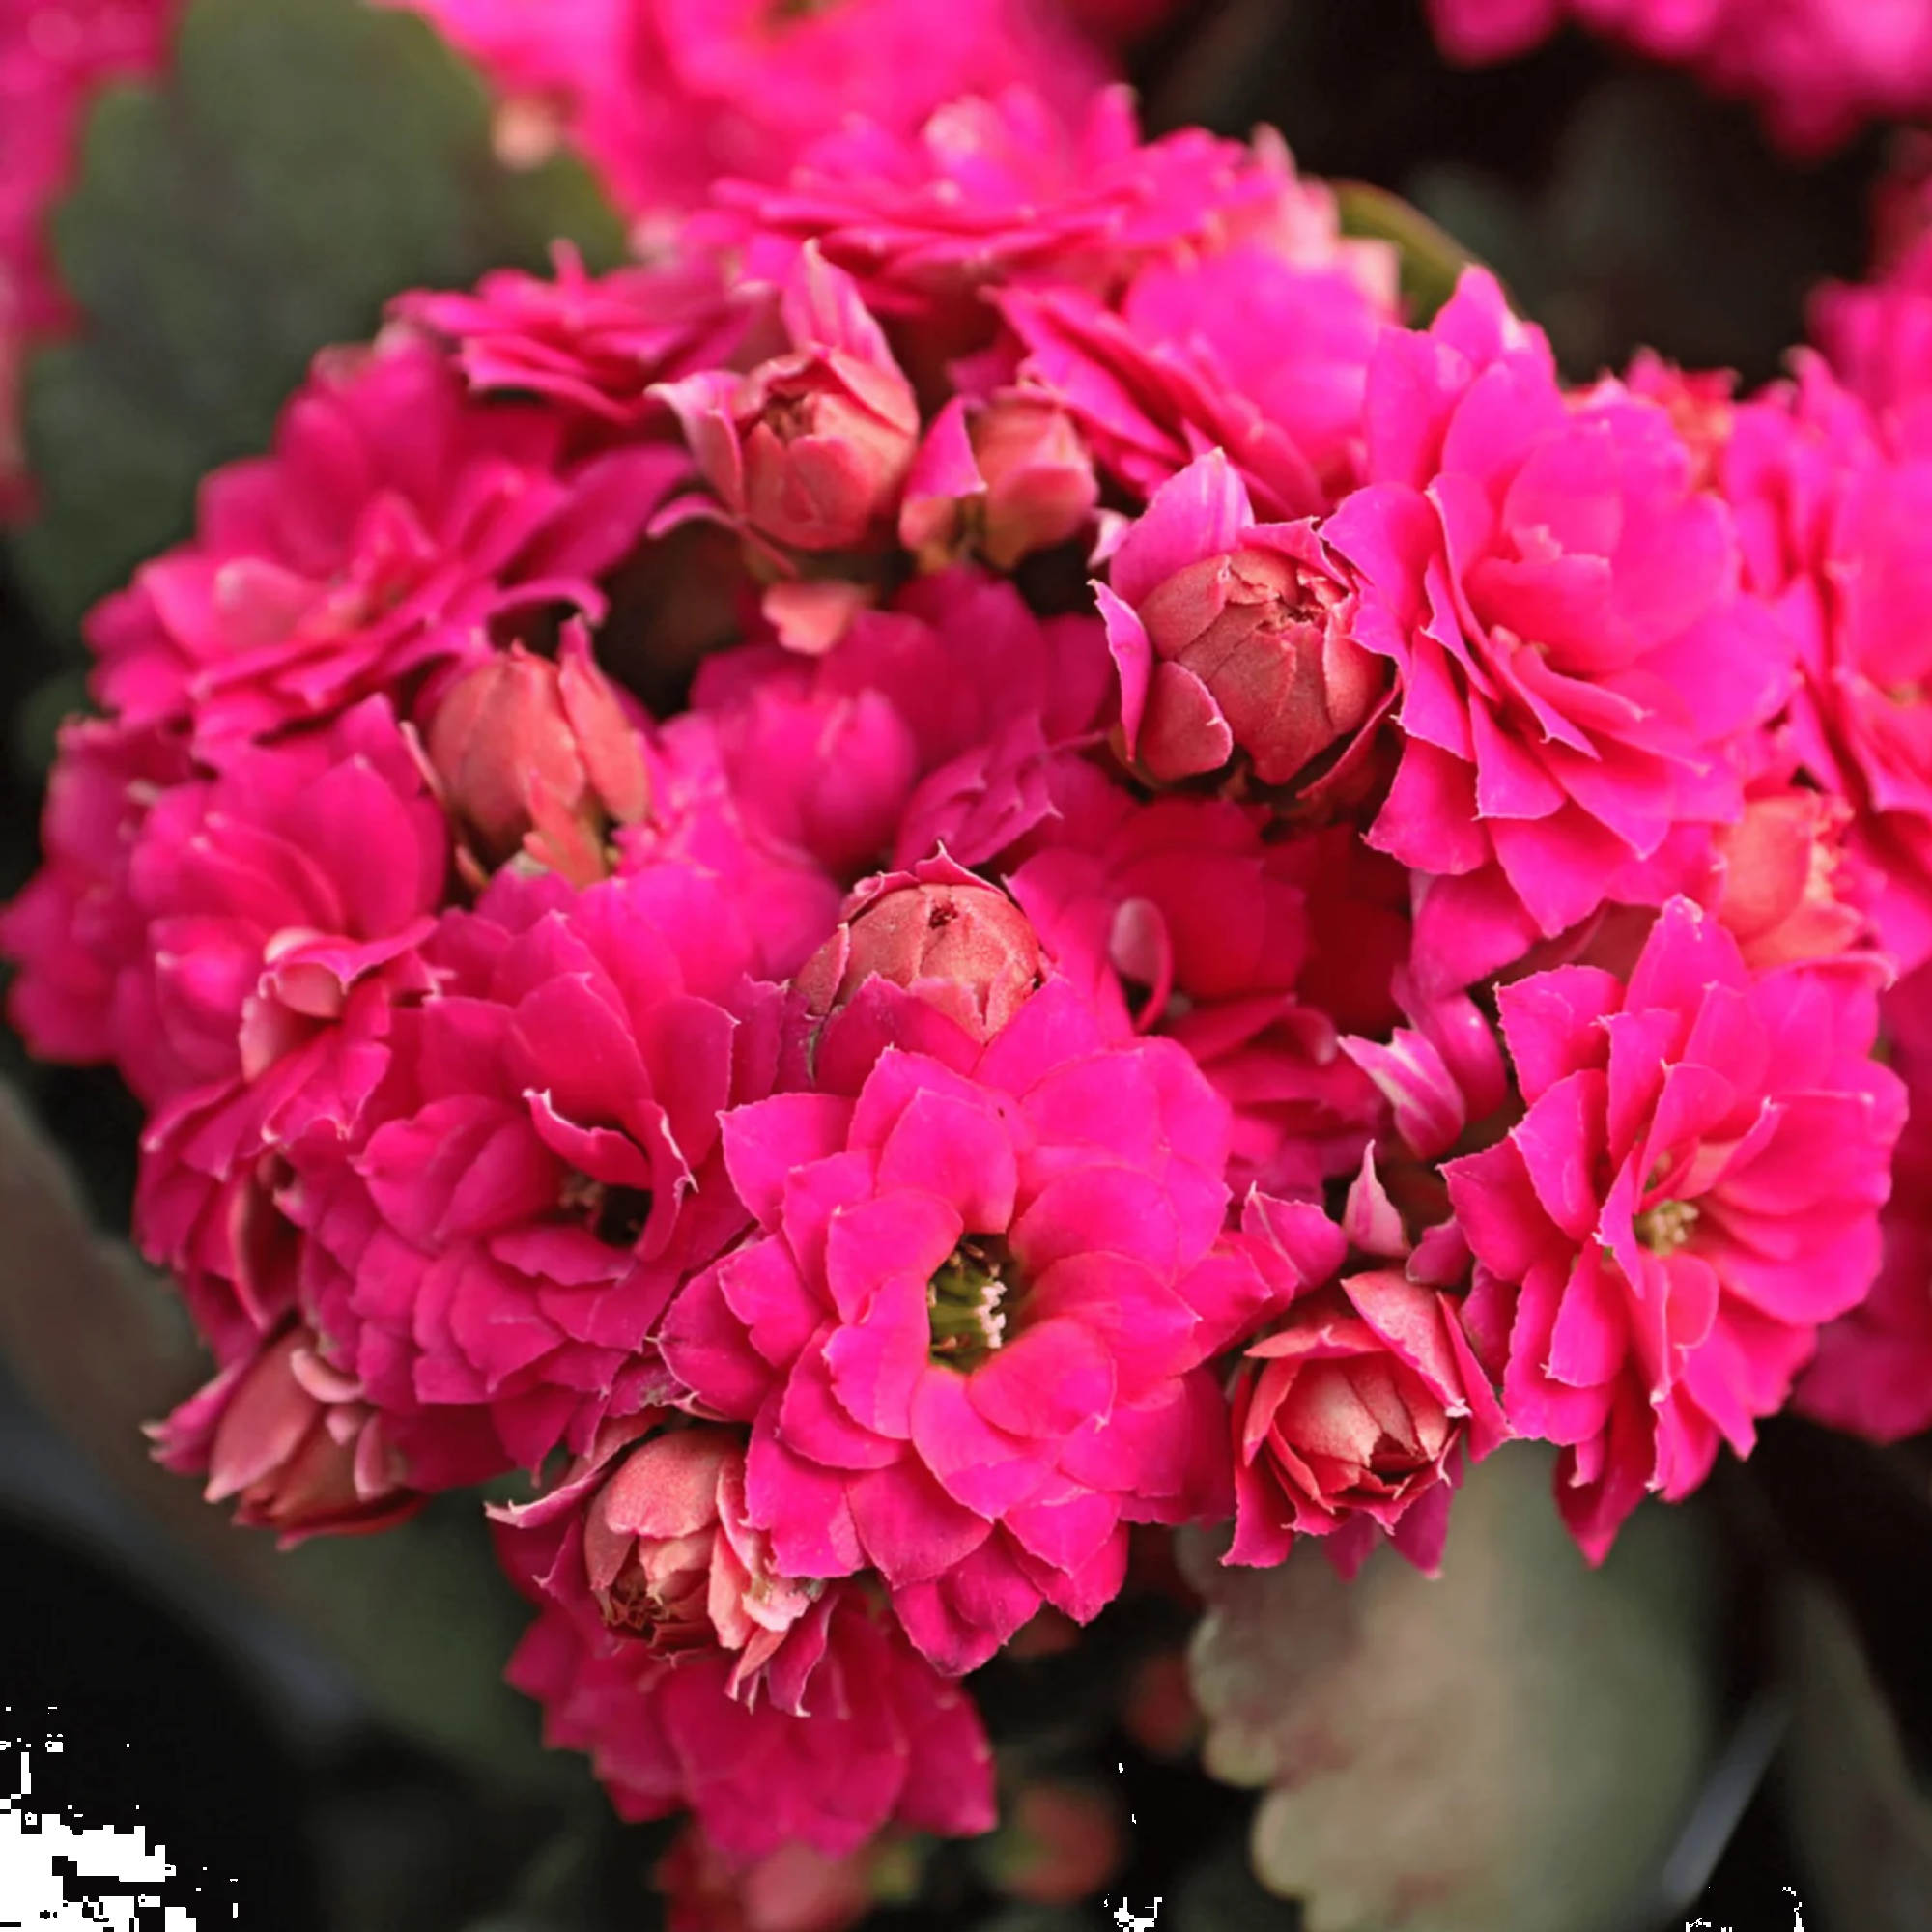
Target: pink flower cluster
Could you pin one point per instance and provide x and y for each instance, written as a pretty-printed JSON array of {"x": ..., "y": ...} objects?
[
  {"x": 1818, "y": 68},
  {"x": 989, "y": 864}
]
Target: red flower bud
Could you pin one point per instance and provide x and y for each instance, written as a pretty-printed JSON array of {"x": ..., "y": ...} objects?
[{"x": 539, "y": 757}]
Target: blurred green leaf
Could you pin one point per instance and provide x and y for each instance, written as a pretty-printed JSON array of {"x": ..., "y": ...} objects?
[
  {"x": 1432, "y": 259},
  {"x": 305, "y": 161},
  {"x": 1862, "y": 1823},
  {"x": 1511, "y": 1748}
]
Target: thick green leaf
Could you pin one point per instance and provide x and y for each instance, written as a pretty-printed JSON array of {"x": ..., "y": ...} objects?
[
  {"x": 1432, "y": 259},
  {"x": 1511, "y": 1748},
  {"x": 1862, "y": 1823},
  {"x": 305, "y": 161}
]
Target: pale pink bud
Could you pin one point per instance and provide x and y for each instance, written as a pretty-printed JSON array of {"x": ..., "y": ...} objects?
[
  {"x": 1782, "y": 879},
  {"x": 289, "y": 1440},
  {"x": 1006, "y": 478},
  {"x": 827, "y": 452},
  {"x": 539, "y": 757},
  {"x": 958, "y": 943},
  {"x": 671, "y": 1558}
]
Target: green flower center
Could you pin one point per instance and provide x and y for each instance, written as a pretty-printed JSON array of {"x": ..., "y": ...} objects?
[
  {"x": 1666, "y": 1227},
  {"x": 965, "y": 1300}
]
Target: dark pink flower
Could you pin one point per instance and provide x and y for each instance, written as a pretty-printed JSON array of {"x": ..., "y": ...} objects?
[
  {"x": 292, "y": 1441},
  {"x": 881, "y": 1739},
  {"x": 970, "y": 1332},
  {"x": 1177, "y": 917},
  {"x": 396, "y": 521},
  {"x": 1693, "y": 1189},
  {"x": 1873, "y": 1372},
  {"x": 195, "y": 931},
  {"x": 1831, "y": 523},
  {"x": 540, "y": 1166},
  {"x": 665, "y": 96},
  {"x": 1577, "y": 667},
  {"x": 847, "y": 755},
  {"x": 996, "y": 188},
  {"x": 83, "y": 988},
  {"x": 1351, "y": 1413},
  {"x": 1231, "y": 635},
  {"x": 589, "y": 345}
]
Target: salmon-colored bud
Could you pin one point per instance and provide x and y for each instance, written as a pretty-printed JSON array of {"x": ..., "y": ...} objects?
[
  {"x": 1264, "y": 636},
  {"x": 1060, "y": 1843},
  {"x": 540, "y": 758},
  {"x": 1784, "y": 884},
  {"x": 826, "y": 456},
  {"x": 1006, "y": 478},
  {"x": 673, "y": 1559},
  {"x": 290, "y": 1440},
  {"x": 1159, "y": 1712},
  {"x": 960, "y": 945}
]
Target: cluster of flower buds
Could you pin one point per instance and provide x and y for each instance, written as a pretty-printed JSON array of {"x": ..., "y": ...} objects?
[{"x": 1261, "y": 899}]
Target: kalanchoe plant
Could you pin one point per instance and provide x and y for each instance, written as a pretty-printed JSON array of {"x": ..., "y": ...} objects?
[{"x": 1227, "y": 900}]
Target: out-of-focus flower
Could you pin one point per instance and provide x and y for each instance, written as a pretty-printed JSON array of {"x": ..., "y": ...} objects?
[
  {"x": 1873, "y": 1373},
  {"x": 793, "y": 1890},
  {"x": 55, "y": 55},
  {"x": 292, "y": 1441}
]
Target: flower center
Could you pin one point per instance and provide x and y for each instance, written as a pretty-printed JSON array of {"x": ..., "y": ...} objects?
[
  {"x": 1666, "y": 1227},
  {"x": 963, "y": 1301},
  {"x": 615, "y": 1216}
]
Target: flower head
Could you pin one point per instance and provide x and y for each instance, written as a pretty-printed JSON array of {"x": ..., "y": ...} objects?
[
  {"x": 1577, "y": 668},
  {"x": 1693, "y": 1189},
  {"x": 969, "y": 1333}
]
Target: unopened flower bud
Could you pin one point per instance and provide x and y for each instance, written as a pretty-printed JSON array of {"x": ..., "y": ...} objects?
[
  {"x": 539, "y": 757},
  {"x": 1006, "y": 478},
  {"x": 958, "y": 943},
  {"x": 1231, "y": 635}
]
